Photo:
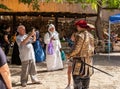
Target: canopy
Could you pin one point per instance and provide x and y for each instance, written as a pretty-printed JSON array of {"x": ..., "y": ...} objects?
[
  {"x": 115, "y": 18},
  {"x": 112, "y": 20}
]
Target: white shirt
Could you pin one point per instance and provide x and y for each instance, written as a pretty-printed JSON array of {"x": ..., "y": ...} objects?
[{"x": 26, "y": 51}]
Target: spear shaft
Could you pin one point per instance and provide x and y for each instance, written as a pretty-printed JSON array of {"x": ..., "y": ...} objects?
[
  {"x": 97, "y": 69},
  {"x": 94, "y": 67}
]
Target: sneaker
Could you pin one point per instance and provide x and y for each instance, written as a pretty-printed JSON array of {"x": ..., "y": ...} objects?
[
  {"x": 68, "y": 87},
  {"x": 24, "y": 84}
]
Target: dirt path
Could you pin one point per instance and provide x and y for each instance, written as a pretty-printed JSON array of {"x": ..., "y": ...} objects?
[{"x": 58, "y": 79}]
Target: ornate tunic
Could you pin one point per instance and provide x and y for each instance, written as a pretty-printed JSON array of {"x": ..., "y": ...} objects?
[{"x": 83, "y": 50}]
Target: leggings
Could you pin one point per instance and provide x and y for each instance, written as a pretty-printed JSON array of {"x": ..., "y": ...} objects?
[{"x": 81, "y": 83}]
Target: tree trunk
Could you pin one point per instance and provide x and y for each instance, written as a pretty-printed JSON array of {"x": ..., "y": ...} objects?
[{"x": 98, "y": 24}]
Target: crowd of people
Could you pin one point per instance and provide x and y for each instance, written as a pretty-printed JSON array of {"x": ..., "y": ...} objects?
[{"x": 28, "y": 50}]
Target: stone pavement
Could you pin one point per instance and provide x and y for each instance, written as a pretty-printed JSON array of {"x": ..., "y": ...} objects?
[{"x": 58, "y": 79}]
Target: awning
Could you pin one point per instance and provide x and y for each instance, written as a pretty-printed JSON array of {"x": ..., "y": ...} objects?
[{"x": 114, "y": 18}]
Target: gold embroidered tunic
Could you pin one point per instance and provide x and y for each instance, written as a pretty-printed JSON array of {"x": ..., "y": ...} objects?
[{"x": 83, "y": 49}]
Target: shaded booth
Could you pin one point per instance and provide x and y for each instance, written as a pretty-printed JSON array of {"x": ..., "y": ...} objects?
[{"x": 112, "y": 20}]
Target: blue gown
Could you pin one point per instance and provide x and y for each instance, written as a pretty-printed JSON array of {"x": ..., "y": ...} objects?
[{"x": 39, "y": 52}]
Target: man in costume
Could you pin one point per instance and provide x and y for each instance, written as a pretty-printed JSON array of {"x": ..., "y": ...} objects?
[{"x": 82, "y": 53}]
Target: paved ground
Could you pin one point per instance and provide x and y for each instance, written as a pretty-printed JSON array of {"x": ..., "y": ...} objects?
[{"x": 58, "y": 79}]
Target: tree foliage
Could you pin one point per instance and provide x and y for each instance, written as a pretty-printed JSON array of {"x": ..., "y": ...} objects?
[
  {"x": 34, "y": 3},
  {"x": 2, "y": 6},
  {"x": 98, "y": 5},
  {"x": 94, "y": 3},
  {"x": 110, "y": 3}
]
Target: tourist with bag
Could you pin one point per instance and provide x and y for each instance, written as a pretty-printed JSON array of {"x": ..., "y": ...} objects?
[
  {"x": 53, "y": 46},
  {"x": 82, "y": 54}
]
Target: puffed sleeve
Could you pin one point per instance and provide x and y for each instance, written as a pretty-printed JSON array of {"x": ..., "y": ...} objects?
[
  {"x": 92, "y": 43},
  {"x": 78, "y": 44},
  {"x": 47, "y": 38},
  {"x": 59, "y": 44}
]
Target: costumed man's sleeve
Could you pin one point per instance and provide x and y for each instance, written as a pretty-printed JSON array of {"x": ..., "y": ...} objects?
[
  {"x": 60, "y": 46},
  {"x": 92, "y": 44},
  {"x": 77, "y": 46}
]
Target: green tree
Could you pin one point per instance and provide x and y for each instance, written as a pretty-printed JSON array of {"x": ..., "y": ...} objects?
[
  {"x": 34, "y": 3},
  {"x": 2, "y": 6},
  {"x": 98, "y": 5}
]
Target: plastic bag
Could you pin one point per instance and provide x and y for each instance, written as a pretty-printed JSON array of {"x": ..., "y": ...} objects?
[
  {"x": 63, "y": 55},
  {"x": 50, "y": 50}
]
